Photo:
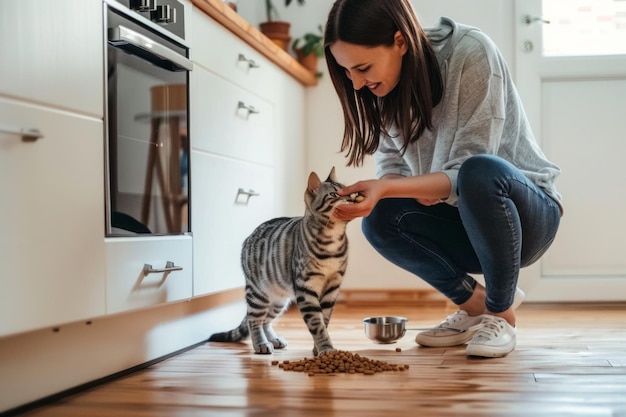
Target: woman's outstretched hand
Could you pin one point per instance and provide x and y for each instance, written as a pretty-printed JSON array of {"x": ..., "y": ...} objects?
[{"x": 371, "y": 191}]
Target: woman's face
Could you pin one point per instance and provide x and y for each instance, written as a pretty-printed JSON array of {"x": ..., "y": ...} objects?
[{"x": 374, "y": 67}]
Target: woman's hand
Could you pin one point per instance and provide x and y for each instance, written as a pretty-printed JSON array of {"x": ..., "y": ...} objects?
[
  {"x": 370, "y": 190},
  {"x": 427, "y": 189}
]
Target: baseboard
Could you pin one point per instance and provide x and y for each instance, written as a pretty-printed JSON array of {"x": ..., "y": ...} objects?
[{"x": 412, "y": 297}]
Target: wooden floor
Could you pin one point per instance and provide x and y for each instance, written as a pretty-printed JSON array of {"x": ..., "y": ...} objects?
[{"x": 570, "y": 361}]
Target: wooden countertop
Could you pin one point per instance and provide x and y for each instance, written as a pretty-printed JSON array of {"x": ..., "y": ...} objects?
[{"x": 228, "y": 18}]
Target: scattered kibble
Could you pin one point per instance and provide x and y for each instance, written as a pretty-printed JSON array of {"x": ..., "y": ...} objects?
[
  {"x": 398, "y": 349},
  {"x": 339, "y": 362}
]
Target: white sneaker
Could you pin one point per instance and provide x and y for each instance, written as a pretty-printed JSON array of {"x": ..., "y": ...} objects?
[
  {"x": 458, "y": 328},
  {"x": 496, "y": 338},
  {"x": 518, "y": 298}
]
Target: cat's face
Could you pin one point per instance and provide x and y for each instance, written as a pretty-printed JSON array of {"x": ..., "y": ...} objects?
[{"x": 321, "y": 196}]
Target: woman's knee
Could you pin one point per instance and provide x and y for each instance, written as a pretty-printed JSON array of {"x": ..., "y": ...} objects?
[
  {"x": 482, "y": 171},
  {"x": 478, "y": 166}
]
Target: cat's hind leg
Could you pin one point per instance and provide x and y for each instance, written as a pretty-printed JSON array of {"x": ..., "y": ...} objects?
[
  {"x": 277, "y": 341},
  {"x": 276, "y": 310},
  {"x": 257, "y": 335}
]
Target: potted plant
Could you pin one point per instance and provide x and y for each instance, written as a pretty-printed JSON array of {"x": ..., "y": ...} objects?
[
  {"x": 277, "y": 30},
  {"x": 308, "y": 49}
]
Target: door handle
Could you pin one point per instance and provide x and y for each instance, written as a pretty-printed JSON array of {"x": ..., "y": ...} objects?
[{"x": 529, "y": 20}]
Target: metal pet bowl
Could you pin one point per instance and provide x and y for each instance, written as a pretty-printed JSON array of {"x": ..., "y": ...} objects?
[{"x": 387, "y": 329}]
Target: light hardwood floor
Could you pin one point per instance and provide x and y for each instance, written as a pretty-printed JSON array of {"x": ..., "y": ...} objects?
[{"x": 570, "y": 361}]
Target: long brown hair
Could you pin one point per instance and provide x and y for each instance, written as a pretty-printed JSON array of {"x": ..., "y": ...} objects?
[{"x": 410, "y": 105}]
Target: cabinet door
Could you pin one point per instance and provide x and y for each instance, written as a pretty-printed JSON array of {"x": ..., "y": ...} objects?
[
  {"x": 230, "y": 199},
  {"x": 51, "y": 218},
  {"x": 52, "y": 52}
]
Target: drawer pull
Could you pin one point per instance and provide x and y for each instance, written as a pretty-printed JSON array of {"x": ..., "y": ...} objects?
[
  {"x": 246, "y": 195},
  {"x": 169, "y": 267},
  {"x": 251, "y": 63},
  {"x": 249, "y": 109},
  {"x": 28, "y": 135}
]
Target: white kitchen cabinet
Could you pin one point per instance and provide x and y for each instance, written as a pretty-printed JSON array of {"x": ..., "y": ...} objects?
[
  {"x": 51, "y": 217},
  {"x": 51, "y": 187},
  {"x": 51, "y": 53},
  {"x": 232, "y": 177},
  {"x": 242, "y": 163}
]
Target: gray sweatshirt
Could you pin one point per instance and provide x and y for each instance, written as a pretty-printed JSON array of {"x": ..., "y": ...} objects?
[{"x": 480, "y": 113}]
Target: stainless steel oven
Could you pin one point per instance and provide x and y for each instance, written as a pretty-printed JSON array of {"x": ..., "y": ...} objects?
[{"x": 147, "y": 116}]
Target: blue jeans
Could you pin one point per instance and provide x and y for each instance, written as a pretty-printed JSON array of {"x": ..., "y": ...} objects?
[{"x": 503, "y": 222}]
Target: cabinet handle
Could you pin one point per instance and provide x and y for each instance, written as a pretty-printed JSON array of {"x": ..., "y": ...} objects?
[
  {"x": 248, "y": 108},
  {"x": 169, "y": 267},
  {"x": 251, "y": 63},
  {"x": 246, "y": 194},
  {"x": 28, "y": 135}
]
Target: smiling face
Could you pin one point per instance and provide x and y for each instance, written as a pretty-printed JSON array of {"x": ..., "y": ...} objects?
[{"x": 374, "y": 67}]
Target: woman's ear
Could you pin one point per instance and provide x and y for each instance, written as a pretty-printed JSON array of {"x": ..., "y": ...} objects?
[{"x": 400, "y": 42}]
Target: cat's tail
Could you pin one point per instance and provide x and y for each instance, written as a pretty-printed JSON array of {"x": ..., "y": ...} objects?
[{"x": 237, "y": 334}]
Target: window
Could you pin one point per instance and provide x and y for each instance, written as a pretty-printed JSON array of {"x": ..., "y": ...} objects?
[{"x": 584, "y": 27}]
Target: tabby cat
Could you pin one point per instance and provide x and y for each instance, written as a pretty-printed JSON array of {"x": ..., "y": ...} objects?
[{"x": 294, "y": 258}]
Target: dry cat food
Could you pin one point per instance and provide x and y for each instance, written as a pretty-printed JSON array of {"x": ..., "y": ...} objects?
[
  {"x": 357, "y": 197},
  {"x": 339, "y": 362}
]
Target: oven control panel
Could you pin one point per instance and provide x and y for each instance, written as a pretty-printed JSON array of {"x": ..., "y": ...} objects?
[{"x": 168, "y": 14}]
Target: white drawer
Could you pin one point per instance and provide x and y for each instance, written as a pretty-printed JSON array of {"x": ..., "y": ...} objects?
[
  {"x": 128, "y": 287},
  {"x": 217, "y": 49},
  {"x": 222, "y": 217},
  {"x": 219, "y": 123}
]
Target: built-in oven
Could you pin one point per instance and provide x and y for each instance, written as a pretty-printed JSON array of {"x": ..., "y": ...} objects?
[{"x": 147, "y": 113}]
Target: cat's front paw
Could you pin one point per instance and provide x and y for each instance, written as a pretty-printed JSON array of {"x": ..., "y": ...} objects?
[
  {"x": 323, "y": 351},
  {"x": 279, "y": 342},
  {"x": 265, "y": 348}
]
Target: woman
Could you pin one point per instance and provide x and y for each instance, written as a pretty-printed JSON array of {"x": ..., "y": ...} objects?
[{"x": 463, "y": 186}]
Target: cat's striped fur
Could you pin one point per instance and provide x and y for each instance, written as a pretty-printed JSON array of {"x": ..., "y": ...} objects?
[{"x": 294, "y": 258}]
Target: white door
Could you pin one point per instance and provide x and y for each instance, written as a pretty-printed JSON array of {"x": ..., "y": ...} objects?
[{"x": 570, "y": 66}]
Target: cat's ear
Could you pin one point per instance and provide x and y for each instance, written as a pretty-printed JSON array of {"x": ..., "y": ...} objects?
[
  {"x": 314, "y": 183},
  {"x": 331, "y": 176}
]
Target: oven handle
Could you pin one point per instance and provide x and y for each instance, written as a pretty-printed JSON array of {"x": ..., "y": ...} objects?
[{"x": 144, "y": 47}]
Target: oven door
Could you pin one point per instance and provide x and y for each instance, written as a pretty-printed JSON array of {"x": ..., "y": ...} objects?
[{"x": 147, "y": 119}]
